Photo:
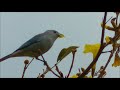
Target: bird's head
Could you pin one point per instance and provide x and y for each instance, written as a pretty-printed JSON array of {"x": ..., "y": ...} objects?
[{"x": 54, "y": 33}]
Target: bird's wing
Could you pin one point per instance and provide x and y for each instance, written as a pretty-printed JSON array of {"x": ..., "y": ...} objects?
[{"x": 32, "y": 41}]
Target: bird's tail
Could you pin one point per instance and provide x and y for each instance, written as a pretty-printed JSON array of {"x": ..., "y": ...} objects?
[{"x": 6, "y": 57}]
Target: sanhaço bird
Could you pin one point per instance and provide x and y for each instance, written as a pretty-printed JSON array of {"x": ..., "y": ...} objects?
[{"x": 36, "y": 46}]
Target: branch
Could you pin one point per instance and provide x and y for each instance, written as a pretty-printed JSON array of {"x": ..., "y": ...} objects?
[
  {"x": 100, "y": 50},
  {"x": 111, "y": 55},
  {"x": 108, "y": 20},
  {"x": 117, "y": 14},
  {"x": 59, "y": 72},
  {"x": 103, "y": 29},
  {"x": 29, "y": 63},
  {"x": 24, "y": 71},
  {"x": 46, "y": 71},
  {"x": 48, "y": 67},
  {"x": 26, "y": 66},
  {"x": 71, "y": 63},
  {"x": 106, "y": 51}
]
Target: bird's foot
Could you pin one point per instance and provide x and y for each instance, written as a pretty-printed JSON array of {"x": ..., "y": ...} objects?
[{"x": 41, "y": 60}]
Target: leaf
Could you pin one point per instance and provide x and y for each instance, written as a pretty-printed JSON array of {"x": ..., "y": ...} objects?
[
  {"x": 116, "y": 61},
  {"x": 66, "y": 51}
]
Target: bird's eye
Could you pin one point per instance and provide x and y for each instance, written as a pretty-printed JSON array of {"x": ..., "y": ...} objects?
[{"x": 54, "y": 31}]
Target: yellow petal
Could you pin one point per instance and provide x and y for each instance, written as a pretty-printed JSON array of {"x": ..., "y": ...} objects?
[
  {"x": 90, "y": 77},
  {"x": 74, "y": 76},
  {"x": 116, "y": 61},
  {"x": 92, "y": 48},
  {"x": 107, "y": 38},
  {"x": 107, "y": 27}
]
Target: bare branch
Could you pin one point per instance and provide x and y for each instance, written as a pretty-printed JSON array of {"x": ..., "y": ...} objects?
[
  {"x": 25, "y": 67},
  {"x": 48, "y": 67},
  {"x": 73, "y": 53},
  {"x": 111, "y": 55}
]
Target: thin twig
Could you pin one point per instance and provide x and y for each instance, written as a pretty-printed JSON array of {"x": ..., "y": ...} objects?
[
  {"x": 108, "y": 20},
  {"x": 71, "y": 64},
  {"x": 46, "y": 71},
  {"x": 106, "y": 51},
  {"x": 111, "y": 55},
  {"x": 100, "y": 50},
  {"x": 48, "y": 67},
  {"x": 25, "y": 67},
  {"x": 59, "y": 72},
  {"x": 29, "y": 63},
  {"x": 24, "y": 70}
]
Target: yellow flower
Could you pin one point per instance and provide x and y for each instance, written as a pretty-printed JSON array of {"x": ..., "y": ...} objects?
[
  {"x": 92, "y": 48},
  {"x": 90, "y": 77},
  {"x": 106, "y": 26},
  {"x": 107, "y": 38},
  {"x": 116, "y": 61},
  {"x": 74, "y": 76}
]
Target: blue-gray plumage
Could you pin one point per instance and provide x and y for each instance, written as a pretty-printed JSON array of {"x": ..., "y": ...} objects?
[{"x": 36, "y": 46}]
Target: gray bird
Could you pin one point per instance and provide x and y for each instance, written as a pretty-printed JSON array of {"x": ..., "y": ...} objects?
[{"x": 36, "y": 46}]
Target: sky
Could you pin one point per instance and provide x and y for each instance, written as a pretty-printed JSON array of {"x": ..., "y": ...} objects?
[{"x": 79, "y": 28}]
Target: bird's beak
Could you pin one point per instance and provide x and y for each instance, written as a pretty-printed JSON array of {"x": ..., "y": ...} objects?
[{"x": 61, "y": 36}]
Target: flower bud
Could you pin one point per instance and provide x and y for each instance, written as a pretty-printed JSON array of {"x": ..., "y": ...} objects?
[{"x": 26, "y": 61}]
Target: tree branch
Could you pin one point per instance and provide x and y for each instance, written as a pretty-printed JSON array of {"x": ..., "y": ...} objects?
[
  {"x": 111, "y": 55},
  {"x": 46, "y": 71},
  {"x": 59, "y": 72},
  {"x": 100, "y": 50},
  {"x": 48, "y": 67},
  {"x": 25, "y": 67},
  {"x": 103, "y": 29},
  {"x": 24, "y": 71},
  {"x": 73, "y": 53},
  {"x": 106, "y": 51}
]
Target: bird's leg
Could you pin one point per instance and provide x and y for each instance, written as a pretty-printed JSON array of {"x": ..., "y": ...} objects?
[
  {"x": 45, "y": 63},
  {"x": 39, "y": 59},
  {"x": 36, "y": 57}
]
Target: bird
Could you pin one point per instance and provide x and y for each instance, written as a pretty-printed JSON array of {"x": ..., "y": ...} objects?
[{"x": 36, "y": 46}]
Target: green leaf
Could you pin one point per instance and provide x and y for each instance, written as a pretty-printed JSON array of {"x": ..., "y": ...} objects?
[{"x": 65, "y": 51}]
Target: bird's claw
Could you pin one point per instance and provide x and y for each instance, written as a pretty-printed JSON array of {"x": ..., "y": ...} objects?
[{"x": 41, "y": 60}]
